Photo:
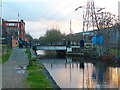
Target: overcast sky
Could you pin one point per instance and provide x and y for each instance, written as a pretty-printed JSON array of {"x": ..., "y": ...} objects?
[{"x": 40, "y": 15}]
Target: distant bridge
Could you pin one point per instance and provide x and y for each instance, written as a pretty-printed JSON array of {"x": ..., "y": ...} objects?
[
  {"x": 51, "y": 47},
  {"x": 58, "y": 46},
  {"x": 112, "y": 42},
  {"x": 63, "y": 48}
]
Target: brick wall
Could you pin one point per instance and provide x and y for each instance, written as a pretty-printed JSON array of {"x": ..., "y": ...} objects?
[
  {"x": 11, "y": 27},
  {"x": 14, "y": 43}
]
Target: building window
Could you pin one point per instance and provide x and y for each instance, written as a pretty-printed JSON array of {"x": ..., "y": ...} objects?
[
  {"x": 16, "y": 29},
  {"x": 7, "y": 29},
  {"x": 11, "y": 29}
]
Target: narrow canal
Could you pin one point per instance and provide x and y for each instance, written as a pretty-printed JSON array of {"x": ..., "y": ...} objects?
[{"x": 78, "y": 72}]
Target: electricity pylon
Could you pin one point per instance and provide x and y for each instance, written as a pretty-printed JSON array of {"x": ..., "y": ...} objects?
[
  {"x": 89, "y": 15},
  {"x": 94, "y": 18}
]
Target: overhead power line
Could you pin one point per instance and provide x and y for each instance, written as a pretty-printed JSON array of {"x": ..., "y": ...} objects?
[{"x": 53, "y": 16}]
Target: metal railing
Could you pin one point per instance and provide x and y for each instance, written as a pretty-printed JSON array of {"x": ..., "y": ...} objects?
[{"x": 57, "y": 43}]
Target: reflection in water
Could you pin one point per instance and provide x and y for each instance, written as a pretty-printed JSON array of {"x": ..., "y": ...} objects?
[
  {"x": 114, "y": 77},
  {"x": 79, "y": 73},
  {"x": 40, "y": 52}
]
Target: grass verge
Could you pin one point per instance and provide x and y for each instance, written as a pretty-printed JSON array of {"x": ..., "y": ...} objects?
[
  {"x": 28, "y": 53},
  {"x": 36, "y": 78},
  {"x": 115, "y": 51},
  {"x": 6, "y": 56}
]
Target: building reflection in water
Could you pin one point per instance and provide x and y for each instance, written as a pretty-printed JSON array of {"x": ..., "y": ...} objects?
[
  {"x": 112, "y": 77},
  {"x": 69, "y": 73}
]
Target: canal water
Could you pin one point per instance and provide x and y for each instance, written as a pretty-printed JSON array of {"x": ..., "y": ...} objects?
[{"x": 78, "y": 72}]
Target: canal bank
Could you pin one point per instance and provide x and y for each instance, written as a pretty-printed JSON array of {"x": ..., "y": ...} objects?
[
  {"x": 112, "y": 55},
  {"x": 35, "y": 67}
]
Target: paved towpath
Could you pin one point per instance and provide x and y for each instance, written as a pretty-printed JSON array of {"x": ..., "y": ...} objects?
[{"x": 12, "y": 75}]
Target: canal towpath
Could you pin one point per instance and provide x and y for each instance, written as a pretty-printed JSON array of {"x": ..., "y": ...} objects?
[{"x": 13, "y": 71}]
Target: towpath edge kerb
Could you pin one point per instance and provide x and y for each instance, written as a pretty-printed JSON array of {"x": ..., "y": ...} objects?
[{"x": 45, "y": 72}]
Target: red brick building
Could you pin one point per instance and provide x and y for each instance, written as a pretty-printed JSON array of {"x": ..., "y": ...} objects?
[{"x": 15, "y": 29}]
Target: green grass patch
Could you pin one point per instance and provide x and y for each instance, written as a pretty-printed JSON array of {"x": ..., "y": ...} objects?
[
  {"x": 115, "y": 51},
  {"x": 36, "y": 78},
  {"x": 6, "y": 56},
  {"x": 28, "y": 53},
  {"x": 35, "y": 66}
]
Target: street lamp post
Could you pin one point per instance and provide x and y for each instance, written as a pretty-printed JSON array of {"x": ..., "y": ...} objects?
[
  {"x": 70, "y": 31},
  {"x": 18, "y": 26},
  {"x": 1, "y": 19}
]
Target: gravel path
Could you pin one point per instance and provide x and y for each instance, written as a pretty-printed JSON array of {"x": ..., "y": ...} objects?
[{"x": 13, "y": 71}]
